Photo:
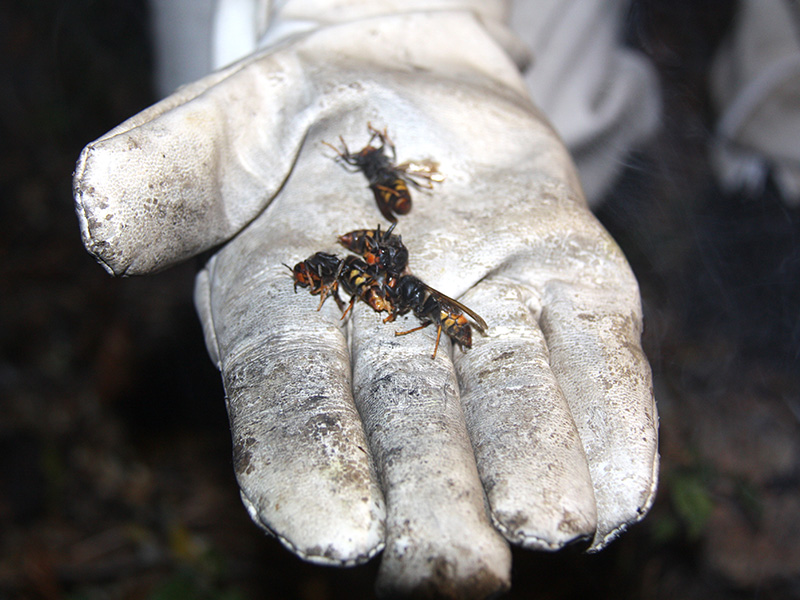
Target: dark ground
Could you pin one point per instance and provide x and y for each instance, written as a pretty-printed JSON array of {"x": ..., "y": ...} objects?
[{"x": 115, "y": 470}]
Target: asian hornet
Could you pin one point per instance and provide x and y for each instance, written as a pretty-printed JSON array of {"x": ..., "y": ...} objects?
[
  {"x": 387, "y": 180},
  {"x": 381, "y": 248},
  {"x": 431, "y": 306},
  {"x": 320, "y": 273}
]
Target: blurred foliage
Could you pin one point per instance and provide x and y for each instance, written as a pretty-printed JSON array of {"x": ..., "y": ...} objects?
[
  {"x": 692, "y": 501},
  {"x": 188, "y": 585}
]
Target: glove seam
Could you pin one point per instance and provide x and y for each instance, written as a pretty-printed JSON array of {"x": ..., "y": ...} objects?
[
  {"x": 84, "y": 220},
  {"x": 212, "y": 267}
]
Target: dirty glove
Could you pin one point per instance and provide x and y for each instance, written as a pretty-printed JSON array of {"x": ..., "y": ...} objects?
[{"x": 348, "y": 439}]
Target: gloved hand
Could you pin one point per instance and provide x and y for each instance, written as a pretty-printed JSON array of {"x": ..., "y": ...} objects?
[{"x": 348, "y": 438}]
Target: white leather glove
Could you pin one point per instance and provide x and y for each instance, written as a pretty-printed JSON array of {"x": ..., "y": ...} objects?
[{"x": 348, "y": 439}]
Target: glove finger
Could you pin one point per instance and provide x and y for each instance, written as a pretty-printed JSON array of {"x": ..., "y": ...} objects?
[
  {"x": 439, "y": 537},
  {"x": 527, "y": 447},
  {"x": 594, "y": 339},
  {"x": 300, "y": 454},
  {"x": 189, "y": 172}
]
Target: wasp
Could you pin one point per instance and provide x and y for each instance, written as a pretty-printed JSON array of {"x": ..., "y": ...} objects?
[
  {"x": 382, "y": 249},
  {"x": 368, "y": 283},
  {"x": 323, "y": 273},
  {"x": 320, "y": 273},
  {"x": 432, "y": 307},
  {"x": 387, "y": 180}
]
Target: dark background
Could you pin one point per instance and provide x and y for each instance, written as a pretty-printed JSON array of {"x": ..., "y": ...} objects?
[{"x": 115, "y": 470}]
